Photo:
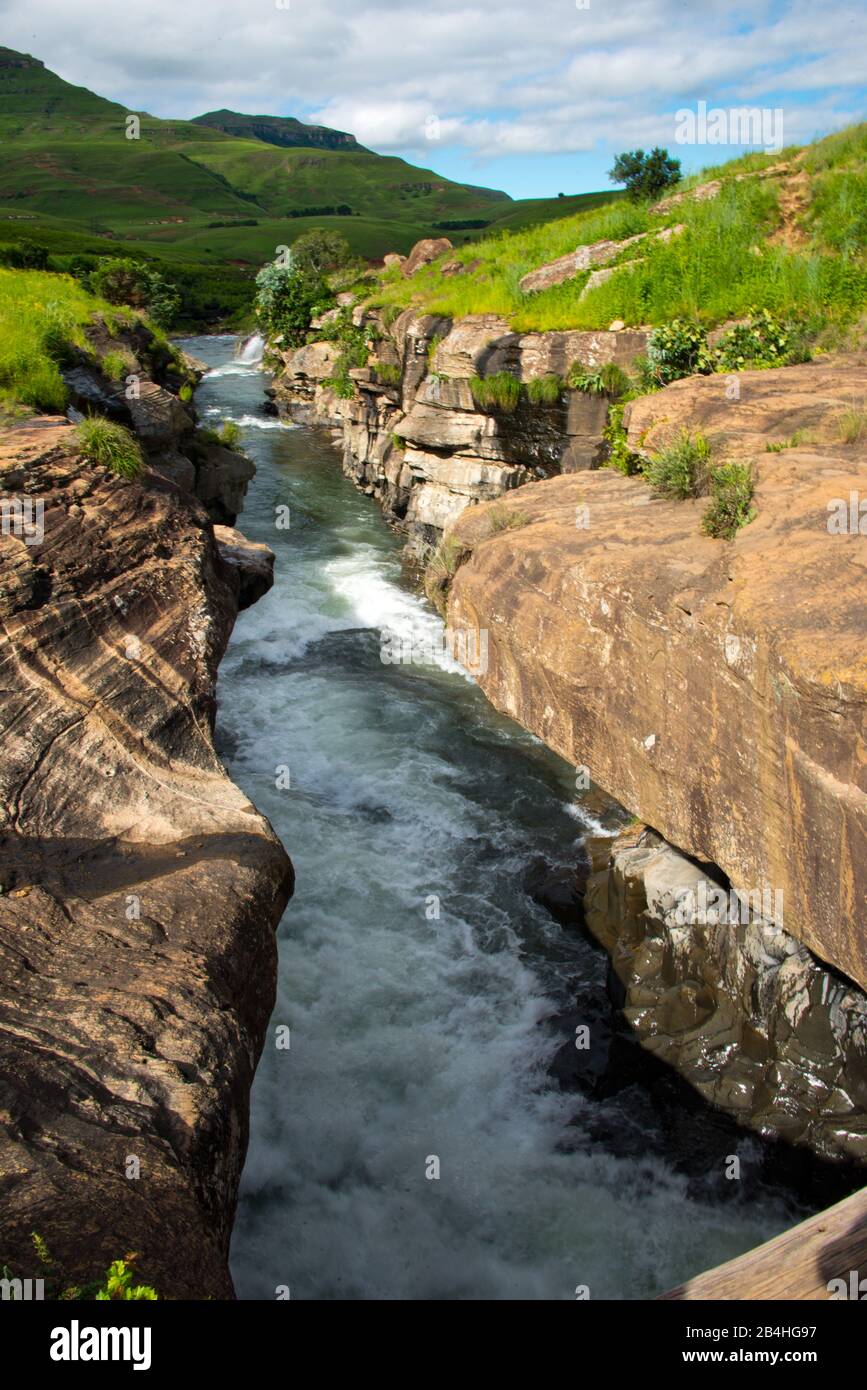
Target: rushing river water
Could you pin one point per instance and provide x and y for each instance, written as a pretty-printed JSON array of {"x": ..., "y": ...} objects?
[{"x": 416, "y": 1037}]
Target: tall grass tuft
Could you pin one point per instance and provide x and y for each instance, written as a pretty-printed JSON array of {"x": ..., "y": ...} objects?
[
  {"x": 502, "y": 391},
  {"x": 42, "y": 322},
  {"x": 104, "y": 442},
  {"x": 682, "y": 468}
]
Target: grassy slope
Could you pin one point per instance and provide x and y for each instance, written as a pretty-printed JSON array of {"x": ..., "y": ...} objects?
[
  {"x": 731, "y": 259},
  {"x": 41, "y": 317}
]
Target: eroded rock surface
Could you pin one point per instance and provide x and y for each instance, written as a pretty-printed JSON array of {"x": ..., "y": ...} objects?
[
  {"x": 141, "y": 889},
  {"x": 716, "y": 689}
]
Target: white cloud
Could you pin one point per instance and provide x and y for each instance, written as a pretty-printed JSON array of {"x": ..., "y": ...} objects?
[{"x": 512, "y": 77}]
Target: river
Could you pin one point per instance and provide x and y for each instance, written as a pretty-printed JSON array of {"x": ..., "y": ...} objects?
[{"x": 423, "y": 987}]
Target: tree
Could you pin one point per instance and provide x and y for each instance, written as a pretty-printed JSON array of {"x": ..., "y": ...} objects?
[
  {"x": 27, "y": 255},
  {"x": 320, "y": 251},
  {"x": 120, "y": 281},
  {"x": 645, "y": 175},
  {"x": 287, "y": 299},
  {"x": 124, "y": 281}
]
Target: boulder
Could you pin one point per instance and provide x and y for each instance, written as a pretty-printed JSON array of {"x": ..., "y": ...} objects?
[
  {"x": 423, "y": 253},
  {"x": 177, "y": 468},
  {"x": 702, "y": 193},
  {"x": 158, "y": 418},
  {"x": 221, "y": 481},
  {"x": 91, "y": 394},
  {"x": 732, "y": 1001},
  {"x": 597, "y": 253},
  {"x": 251, "y": 563}
]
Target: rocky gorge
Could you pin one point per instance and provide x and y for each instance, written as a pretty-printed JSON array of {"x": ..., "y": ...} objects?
[{"x": 715, "y": 689}]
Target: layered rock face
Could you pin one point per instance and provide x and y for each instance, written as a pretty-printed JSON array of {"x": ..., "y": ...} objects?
[
  {"x": 731, "y": 1000},
  {"x": 716, "y": 689},
  {"x": 140, "y": 888},
  {"x": 423, "y": 446}
]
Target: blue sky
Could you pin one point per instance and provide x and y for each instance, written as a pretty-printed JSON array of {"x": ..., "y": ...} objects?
[{"x": 532, "y": 96}]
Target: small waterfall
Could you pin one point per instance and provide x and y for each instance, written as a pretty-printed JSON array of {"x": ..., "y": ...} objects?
[{"x": 251, "y": 350}]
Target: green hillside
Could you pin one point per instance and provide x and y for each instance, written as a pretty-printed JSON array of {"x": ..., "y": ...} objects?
[
  {"x": 788, "y": 236},
  {"x": 224, "y": 190},
  {"x": 67, "y": 155}
]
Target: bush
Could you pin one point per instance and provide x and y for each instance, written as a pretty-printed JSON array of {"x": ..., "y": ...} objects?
[
  {"x": 731, "y": 488},
  {"x": 318, "y": 251},
  {"x": 104, "y": 442},
  {"x": 620, "y": 456},
  {"x": 545, "y": 390},
  {"x": 681, "y": 469},
  {"x": 121, "y": 280},
  {"x": 502, "y": 391},
  {"x": 608, "y": 380},
  {"x": 645, "y": 175},
  {"x": 116, "y": 1284},
  {"x": 287, "y": 300},
  {"x": 230, "y": 435},
  {"x": 762, "y": 342},
  {"x": 26, "y": 255},
  {"x": 675, "y": 350}
]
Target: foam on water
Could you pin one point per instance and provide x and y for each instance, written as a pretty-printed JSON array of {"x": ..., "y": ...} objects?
[{"x": 417, "y": 975}]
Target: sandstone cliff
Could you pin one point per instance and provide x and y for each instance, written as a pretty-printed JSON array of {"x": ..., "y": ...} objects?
[
  {"x": 423, "y": 446},
  {"x": 716, "y": 689},
  {"x": 140, "y": 889}
]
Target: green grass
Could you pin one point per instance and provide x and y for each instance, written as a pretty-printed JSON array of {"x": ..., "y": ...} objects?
[
  {"x": 502, "y": 391},
  {"x": 608, "y": 380},
  {"x": 441, "y": 568},
  {"x": 506, "y": 519},
  {"x": 852, "y": 425},
  {"x": 42, "y": 318},
  {"x": 112, "y": 446},
  {"x": 731, "y": 506},
  {"x": 389, "y": 373},
  {"x": 545, "y": 390},
  {"x": 725, "y": 265},
  {"x": 682, "y": 468}
]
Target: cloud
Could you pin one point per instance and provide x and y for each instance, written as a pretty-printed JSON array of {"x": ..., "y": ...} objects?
[{"x": 519, "y": 77}]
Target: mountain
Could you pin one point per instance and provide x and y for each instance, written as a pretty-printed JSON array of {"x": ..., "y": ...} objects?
[
  {"x": 223, "y": 187},
  {"x": 34, "y": 100},
  {"x": 284, "y": 131}
]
